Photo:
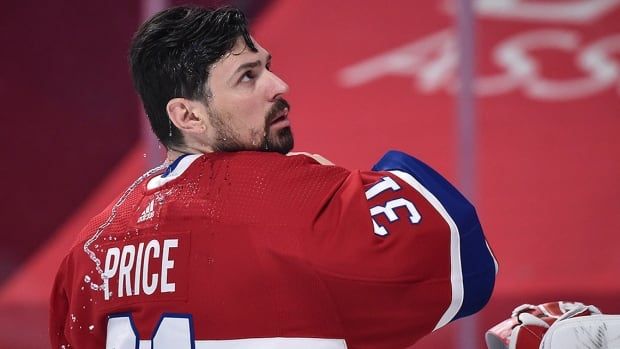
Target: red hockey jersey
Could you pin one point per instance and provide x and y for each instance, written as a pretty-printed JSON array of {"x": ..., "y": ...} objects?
[{"x": 260, "y": 250}]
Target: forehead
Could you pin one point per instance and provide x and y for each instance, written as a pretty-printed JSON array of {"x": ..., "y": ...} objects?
[{"x": 241, "y": 53}]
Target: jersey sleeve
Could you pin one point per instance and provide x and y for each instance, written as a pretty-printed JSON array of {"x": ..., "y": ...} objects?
[{"x": 402, "y": 252}]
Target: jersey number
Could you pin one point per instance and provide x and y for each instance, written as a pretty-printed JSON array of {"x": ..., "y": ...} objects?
[
  {"x": 172, "y": 331},
  {"x": 387, "y": 209}
]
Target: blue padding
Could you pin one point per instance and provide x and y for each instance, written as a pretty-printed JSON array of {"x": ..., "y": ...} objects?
[{"x": 476, "y": 262}]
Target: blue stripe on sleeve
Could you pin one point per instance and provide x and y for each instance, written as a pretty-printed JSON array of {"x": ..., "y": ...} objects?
[{"x": 477, "y": 263}]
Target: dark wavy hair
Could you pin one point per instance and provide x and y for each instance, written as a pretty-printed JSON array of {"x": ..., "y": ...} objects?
[{"x": 171, "y": 55}]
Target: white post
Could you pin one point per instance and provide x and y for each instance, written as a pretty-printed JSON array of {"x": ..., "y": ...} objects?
[{"x": 467, "y": 329}]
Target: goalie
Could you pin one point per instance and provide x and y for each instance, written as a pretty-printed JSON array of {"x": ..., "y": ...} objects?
[{"x": 233, "y": 244}]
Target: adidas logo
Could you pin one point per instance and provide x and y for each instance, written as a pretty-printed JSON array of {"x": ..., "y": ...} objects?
[{"x": 148, "y": 212}]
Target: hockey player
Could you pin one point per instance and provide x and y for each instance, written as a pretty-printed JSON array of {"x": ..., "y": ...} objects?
[{"x": 233, "y": 244}]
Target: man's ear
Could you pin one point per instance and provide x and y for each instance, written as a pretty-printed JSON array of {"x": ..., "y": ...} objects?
[{"x": 186, "y": 115}]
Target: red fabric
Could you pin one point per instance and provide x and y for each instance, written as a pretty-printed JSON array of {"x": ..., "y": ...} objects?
[
  {"x": 297, "y": 232},
  {"x": 529, "y": 337}
]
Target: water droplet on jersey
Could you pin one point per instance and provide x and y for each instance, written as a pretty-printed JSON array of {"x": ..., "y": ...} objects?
[
  {"x": 144, "y": 155},
  {"x": 86, "y": 278},
  {"x": 73, "y": 318},
  {"x": 91, "y": 327},
  {"x": 93, "y": 257},
  {"x": 94, "y": 287}
]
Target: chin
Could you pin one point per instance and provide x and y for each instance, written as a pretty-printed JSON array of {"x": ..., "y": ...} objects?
[
  {"x": 283, "y": 142},
  {"x": 287, "y": 140}
]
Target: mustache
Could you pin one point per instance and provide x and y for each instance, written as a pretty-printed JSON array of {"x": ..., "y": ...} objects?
[{"x": 279, "y": 105}]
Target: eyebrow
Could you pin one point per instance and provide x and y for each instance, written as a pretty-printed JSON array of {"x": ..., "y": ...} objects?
[{"x": 250, "y": 65}]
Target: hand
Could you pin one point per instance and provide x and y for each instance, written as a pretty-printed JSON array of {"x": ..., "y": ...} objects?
[{"x": 318, "y": 158}]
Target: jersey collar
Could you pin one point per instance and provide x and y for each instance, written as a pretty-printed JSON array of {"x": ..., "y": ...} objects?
[{"x": 174, "y": 170}]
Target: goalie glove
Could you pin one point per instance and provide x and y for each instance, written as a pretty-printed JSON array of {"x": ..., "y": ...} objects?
[{"x": 529, "y": 323}]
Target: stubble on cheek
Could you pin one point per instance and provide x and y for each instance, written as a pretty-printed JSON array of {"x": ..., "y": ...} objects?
[{"x": 257, "y": 138}]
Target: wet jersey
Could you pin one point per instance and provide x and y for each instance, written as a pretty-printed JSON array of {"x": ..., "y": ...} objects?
[{"x": 260, "y": 250}]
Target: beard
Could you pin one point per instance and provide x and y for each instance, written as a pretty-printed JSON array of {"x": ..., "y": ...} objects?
[{"x": 229, "y": 140}]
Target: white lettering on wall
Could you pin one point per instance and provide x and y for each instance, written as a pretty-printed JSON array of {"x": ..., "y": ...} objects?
[{"x": 431, "y": 64}]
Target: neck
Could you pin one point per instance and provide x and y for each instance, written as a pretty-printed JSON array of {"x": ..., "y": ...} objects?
[{"x": 174, "y": 152}]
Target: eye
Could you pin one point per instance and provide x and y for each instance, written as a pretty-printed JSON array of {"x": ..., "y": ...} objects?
[{"x": 248, "y": 76}]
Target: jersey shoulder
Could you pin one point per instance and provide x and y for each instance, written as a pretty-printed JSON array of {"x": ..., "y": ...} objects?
[{"x": 287, "y": 189}]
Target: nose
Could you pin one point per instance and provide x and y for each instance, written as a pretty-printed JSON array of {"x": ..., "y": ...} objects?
[{"x": 279, "y": 87}]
